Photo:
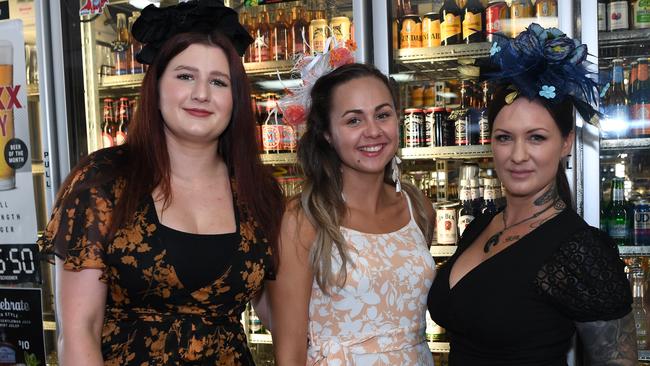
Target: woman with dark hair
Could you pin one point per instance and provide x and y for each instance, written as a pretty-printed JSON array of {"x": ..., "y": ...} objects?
[
  {"x": 161, "y": 242},
  {"x": 354, "y": 258},
  {"x": 523, "y": 281}
]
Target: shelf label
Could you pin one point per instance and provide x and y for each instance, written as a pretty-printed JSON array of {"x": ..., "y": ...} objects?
[{"x": 21, "y": 327}]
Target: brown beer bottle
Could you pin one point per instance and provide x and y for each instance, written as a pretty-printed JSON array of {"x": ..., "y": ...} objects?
[
  {"x": 473, "y": 22},
  {"x": 134, "y": 48},
  {"x": 450, "y": 23},
  {"x": 279, "y": 37},
  {"x": 263, "y": 37},
  {"x": 123, "y": 114},
  {"x": 397, "y": 24},
  {"x": 299, "y": 30},
  {"x": 108, "y": 121},
  {"x": 545, "y": 8},
  {"x": 121, "y": 46},
  {"x": 520, "y": 13}
]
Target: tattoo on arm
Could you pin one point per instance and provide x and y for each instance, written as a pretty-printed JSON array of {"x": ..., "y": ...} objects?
[
  {"x": 609, "y": 343},
  {"x": 547, "y": 196}
]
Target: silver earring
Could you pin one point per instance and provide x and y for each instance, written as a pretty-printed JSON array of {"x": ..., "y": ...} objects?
[{"x": 394, "y": 164}]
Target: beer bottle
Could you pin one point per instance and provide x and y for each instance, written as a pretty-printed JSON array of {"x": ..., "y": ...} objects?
[
  {"x": 462, "y": 120},
  {"x": 640, "y": 101},
  {"x": 299, "y": 31},
  {"x": 639, "y": 308},
  {"x": 634, "y": 72},
  {"x": 134, "y": 47},
  {"x": 640, "y": 14},
  {"x": 450, "y": 23},
  {"x": 122, "y": 121},
  {"x": 411, "y": 28},
  {"x": 484, "y": 133},
  {"x": 520, "y": 13},
  {"x": 616, "y": 108},
  {"x": 244, "y": 20},
  {"x": 263, "y": 41},
  {"x": 473, "y": 22},
  {"x": 618, "y": 15},
  {"x": 121, "y": 46},
  {"x": 279, "y": 37},
  {"x": 108, "y": 121},
  {"x": 466, "y": 212},
  {"x": 618, "y": 220},
  {"x": 545, "y": 8},
  {"x": 489, "y": 206},
  {"x": 602, "y": 15},
  {"x": 397, "y": 23},
  {"x": 272, "y": 129}
]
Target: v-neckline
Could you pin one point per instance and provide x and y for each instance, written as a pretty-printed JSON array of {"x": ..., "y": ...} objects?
[{"x": 499, "y": 254}]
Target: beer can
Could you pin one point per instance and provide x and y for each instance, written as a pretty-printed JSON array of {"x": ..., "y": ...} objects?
[
  {"x": 7, "y": 173},
  {"x": 446, "y": 227},
  {"x": 340, "y": 27},
  {"x": 495, "y": 19},
  {"x": 411, "y": 32},
  {"x": 448, "y": 130},
  {"x": 413, "y": 127},
  {"x": 429, "y": 127},
  {"x": 642, "y": 223},
  {"x": 431, "y": 30},
  {"x": 318, "y": 35}
]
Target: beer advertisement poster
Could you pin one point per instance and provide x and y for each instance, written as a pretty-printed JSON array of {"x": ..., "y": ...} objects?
[
  {"x": 21, "y": 327},
  {"x": 17, "y": 208}
]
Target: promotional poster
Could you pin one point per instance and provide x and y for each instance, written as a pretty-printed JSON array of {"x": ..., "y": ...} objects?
[
  {"x": 17, "y": 209},
  {"x": 21, "y": 327}
]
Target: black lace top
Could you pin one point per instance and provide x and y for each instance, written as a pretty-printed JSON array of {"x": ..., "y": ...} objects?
[{"x": 520, "y": 306}]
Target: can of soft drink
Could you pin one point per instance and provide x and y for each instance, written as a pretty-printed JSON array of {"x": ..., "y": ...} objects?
[{"x": 642, "y": 223}]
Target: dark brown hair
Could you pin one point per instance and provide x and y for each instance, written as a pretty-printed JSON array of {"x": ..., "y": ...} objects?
[
  {"x": 147, "y": 165},
  {"x": 562, "y": 114}
]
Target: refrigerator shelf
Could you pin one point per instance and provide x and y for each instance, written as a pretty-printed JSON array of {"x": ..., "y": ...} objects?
[
  {"x": 110, "y": 82},
  {"x": 631, "y": 251},
  {"x": 446, "y": 152},
  {"x": 269, "y": 68},
  {"x": 624, "y": 36},
  {"x": 279, "y": 159},
  {"x": 441, "y": 59},
  {"x": 618, "y": 144},
  {"x": 442, "y": 250}
]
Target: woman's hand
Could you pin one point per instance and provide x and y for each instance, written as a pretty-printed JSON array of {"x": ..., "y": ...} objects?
[
  {"x": 611, "y": 342},
  {"x": 80, "y": 302},
  {"x": 291, "y": 291}
]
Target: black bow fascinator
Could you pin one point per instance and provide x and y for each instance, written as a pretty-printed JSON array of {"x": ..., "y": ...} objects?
[{"x": 157, "y": 25}]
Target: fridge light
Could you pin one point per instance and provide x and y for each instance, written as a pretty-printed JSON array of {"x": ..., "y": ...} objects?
[
  {"x": 143, "y": 3},
  {"x": 279, "y": 85}
]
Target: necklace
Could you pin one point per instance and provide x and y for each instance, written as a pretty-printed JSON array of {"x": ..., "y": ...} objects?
[{"x": 494, "y": 239}]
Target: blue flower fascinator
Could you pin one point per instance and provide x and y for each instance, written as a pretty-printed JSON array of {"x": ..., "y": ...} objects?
[
  {"x": 157, "y": 25},
  {"x": 545, "y": 64}
]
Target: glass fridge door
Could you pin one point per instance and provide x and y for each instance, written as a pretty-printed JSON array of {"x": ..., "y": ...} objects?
[{"x": 623, "y": 41}]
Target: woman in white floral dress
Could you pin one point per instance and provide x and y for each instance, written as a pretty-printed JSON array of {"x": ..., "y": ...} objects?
[{"x": 355, "y": 269}]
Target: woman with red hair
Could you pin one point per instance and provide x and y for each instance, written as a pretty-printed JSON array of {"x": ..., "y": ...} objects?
[{"x": 160, "y": 243}]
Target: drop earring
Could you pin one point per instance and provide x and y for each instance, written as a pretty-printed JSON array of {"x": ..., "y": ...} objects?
[{"x": 394, "y": 164}]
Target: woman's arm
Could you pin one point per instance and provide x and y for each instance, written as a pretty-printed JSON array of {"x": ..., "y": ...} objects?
[
  {"x": 80, "y": 302},
  {"x": 609, "y": 343},
  {"x": 289, "y": 294},
  {"x": 262, "y": 307}
]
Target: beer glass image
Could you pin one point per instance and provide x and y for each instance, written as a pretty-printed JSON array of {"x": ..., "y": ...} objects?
[{"x": 7, "y": 174}]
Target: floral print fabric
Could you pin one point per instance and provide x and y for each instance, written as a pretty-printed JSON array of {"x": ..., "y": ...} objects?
[
  {"x": 151, "y": 318},
  {"x": 378, "y": 317}
]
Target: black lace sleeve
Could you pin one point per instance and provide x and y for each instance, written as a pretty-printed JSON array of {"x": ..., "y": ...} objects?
[{"x": 585, "y": 278}]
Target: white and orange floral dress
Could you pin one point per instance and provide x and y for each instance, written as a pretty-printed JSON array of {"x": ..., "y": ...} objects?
[{"x": 378, "y": 317}]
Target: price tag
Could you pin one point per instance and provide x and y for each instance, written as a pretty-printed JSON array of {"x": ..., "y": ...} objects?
[
  {"x": 19, "y": 264},
  {"x": 21, "y": 327}
]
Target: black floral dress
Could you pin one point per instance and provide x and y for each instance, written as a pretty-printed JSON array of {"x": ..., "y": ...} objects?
[{"x": 173, "y": 298}]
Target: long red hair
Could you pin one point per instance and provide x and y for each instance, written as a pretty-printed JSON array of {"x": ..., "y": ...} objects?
[{"x": 147, "y": 165}]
